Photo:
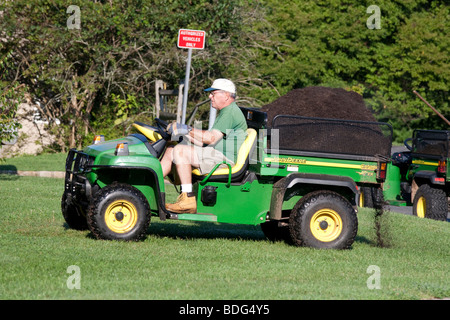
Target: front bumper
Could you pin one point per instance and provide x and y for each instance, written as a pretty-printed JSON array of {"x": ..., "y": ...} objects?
[{"x": 76, "y": 185}]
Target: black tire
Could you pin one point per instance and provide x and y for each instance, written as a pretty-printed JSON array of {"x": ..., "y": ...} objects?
[
  {"x": 119, "y": 212},
  {"x": 371, "y": 197},
  {"x": 74, "y": 215},
  {"x": 323, "y": 220},
  {"x": 365, "y": 198},
  {"x": 430, "y": 203},
  {"x": 275, "y": 232}
]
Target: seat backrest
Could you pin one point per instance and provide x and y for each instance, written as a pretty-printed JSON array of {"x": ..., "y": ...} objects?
[{"x": 243, "y": 155}]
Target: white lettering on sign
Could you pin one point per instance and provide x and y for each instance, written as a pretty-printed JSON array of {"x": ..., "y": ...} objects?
[
  {"x": 193, "y": 39},
  {"x": 192, "y": 33}
]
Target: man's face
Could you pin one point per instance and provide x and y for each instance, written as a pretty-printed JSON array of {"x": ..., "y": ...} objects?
[{"x": 220, "y": 99}]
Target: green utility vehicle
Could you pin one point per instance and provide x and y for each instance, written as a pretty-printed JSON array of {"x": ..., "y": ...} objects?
[
  {"x": 420, "y": 176},
  {"x": 300, "y": 180}
]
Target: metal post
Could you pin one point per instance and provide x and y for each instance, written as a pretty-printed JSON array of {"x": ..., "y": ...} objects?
[
  {"x": 212, "y": 116},
  {"x": 186, "y": 85}
]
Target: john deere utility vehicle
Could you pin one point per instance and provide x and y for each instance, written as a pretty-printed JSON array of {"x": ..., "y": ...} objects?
[
  {"x": 420, "y": 176},
  {"x": 300, "y": 180}
]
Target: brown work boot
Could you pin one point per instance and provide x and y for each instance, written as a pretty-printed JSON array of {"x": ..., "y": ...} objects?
[{"x": 185, "y": 203}]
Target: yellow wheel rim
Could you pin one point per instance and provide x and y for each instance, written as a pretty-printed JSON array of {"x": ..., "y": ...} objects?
[
  {"x": 421, "y": 207},
  {"x": 326, "y": 225},
  {"x": 121, "y": 216},
  {"x": 361, "y": 199}
]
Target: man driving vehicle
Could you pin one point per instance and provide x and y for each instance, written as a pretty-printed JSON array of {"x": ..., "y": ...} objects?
[{"x": 203, "y": 149}]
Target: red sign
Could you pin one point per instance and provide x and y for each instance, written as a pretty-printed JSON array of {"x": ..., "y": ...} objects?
[{"x": 191, "y": 39}]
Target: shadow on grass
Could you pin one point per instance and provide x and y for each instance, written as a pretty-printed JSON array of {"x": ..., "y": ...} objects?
[
  {"x": 8, "y": 177},
  {"x": 8, "y": 172},
  {"x": 208, "y": 230},
  {"x": 197, "y": 230},
  {"x": 8, "y": 167},
  {"x": 364, "y": 240},
  {"x": 205, "y": 230}
]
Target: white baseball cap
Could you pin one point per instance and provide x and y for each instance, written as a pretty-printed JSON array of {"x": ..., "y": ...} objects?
[{"x": 223, "y": 84}]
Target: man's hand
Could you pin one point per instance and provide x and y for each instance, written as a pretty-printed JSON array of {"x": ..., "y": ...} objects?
[{"x": 178, "y": 129}]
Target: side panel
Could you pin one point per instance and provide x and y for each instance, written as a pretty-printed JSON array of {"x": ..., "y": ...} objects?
[
  {"x": 391, "y": 187},
  {"x": 247, "y": 203},
  {"x": 137, "y": 162},
  {"x": 144, "y": 172},
  {"x": 142, "y": 179},
  {"x": 282, "y": 165},
  {"x": 422, "y": 165}
]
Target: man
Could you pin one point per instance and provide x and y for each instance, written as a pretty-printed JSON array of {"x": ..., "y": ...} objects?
[{"x": 222, "y": 143}]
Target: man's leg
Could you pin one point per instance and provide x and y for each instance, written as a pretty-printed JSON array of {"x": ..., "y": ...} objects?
[
  {"x": 184, "y": 158},
  {"x": 166, "y": 161}
]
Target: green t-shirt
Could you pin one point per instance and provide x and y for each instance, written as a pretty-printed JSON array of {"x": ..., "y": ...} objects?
[{"x": 231, "y": 122}]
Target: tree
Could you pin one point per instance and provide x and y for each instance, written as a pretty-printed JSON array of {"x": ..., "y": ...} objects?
[
  {"x": 329, "y": 43},
  {"x": 11, "y": 95},
  {"x": 76, "y": 65},
  {"x": 417, "y": 61},
  {"x": 97, "y": 77}
]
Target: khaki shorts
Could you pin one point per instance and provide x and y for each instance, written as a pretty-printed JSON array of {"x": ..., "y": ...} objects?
[{"x": 208, "y": 157}]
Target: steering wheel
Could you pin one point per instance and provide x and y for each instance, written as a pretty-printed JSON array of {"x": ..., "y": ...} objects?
[
  {"x": 409, "y": 147},
  {"x": 162, "y": 126}
]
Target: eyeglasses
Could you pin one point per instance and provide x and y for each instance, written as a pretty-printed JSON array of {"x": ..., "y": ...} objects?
[{"x": 213, "y": 93}]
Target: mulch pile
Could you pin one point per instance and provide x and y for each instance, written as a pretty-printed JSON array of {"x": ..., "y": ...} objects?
[{"x": 327, "y": 136}]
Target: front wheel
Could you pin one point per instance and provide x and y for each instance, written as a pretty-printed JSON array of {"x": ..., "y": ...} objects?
[
  {"x": 323, "y": 220},
  {"x": 74, "y": 215},
  {"x": 430, "y": 203},
  {"x": 119, "y": 212}
]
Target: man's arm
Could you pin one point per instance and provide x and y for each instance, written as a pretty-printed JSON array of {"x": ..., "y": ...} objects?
[{"x": 200, "y": 137}]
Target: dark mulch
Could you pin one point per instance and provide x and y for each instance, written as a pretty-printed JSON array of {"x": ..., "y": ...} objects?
[
  {"x": 327, "y": 136},
  {"x": 322, "y": 102}
]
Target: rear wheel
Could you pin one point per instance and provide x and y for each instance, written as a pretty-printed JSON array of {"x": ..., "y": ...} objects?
[
  {"x": 430, "y": 203},
  {"x": 119, "y": 212},
  {"x": 370, "y": 197},
  {"x": 323, "y": 220},
  {"x": 365, "y": 198}
]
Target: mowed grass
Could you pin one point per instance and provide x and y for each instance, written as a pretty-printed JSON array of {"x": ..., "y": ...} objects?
[
  {"x": 43, "y": 162},
  {"x": 191, "y": 260}
]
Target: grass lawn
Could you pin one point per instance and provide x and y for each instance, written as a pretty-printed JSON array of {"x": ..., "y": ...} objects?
[
  {"x": 192, "y": 260},
  {"x": 43, "y": 162}
]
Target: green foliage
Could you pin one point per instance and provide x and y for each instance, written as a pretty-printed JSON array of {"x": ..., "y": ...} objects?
[
  {"x": 124, "y": 107},
  {"x": 11, "y": 95},
  {"x": 119, "y": 50},
  {"x": 267, "y": 47},
  {"x": 10, "y": 98},
  {"x": 328, "y": 43}
]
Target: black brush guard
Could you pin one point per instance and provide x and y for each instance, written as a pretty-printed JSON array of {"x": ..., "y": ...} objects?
[{"x": 76, "y": 185}]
